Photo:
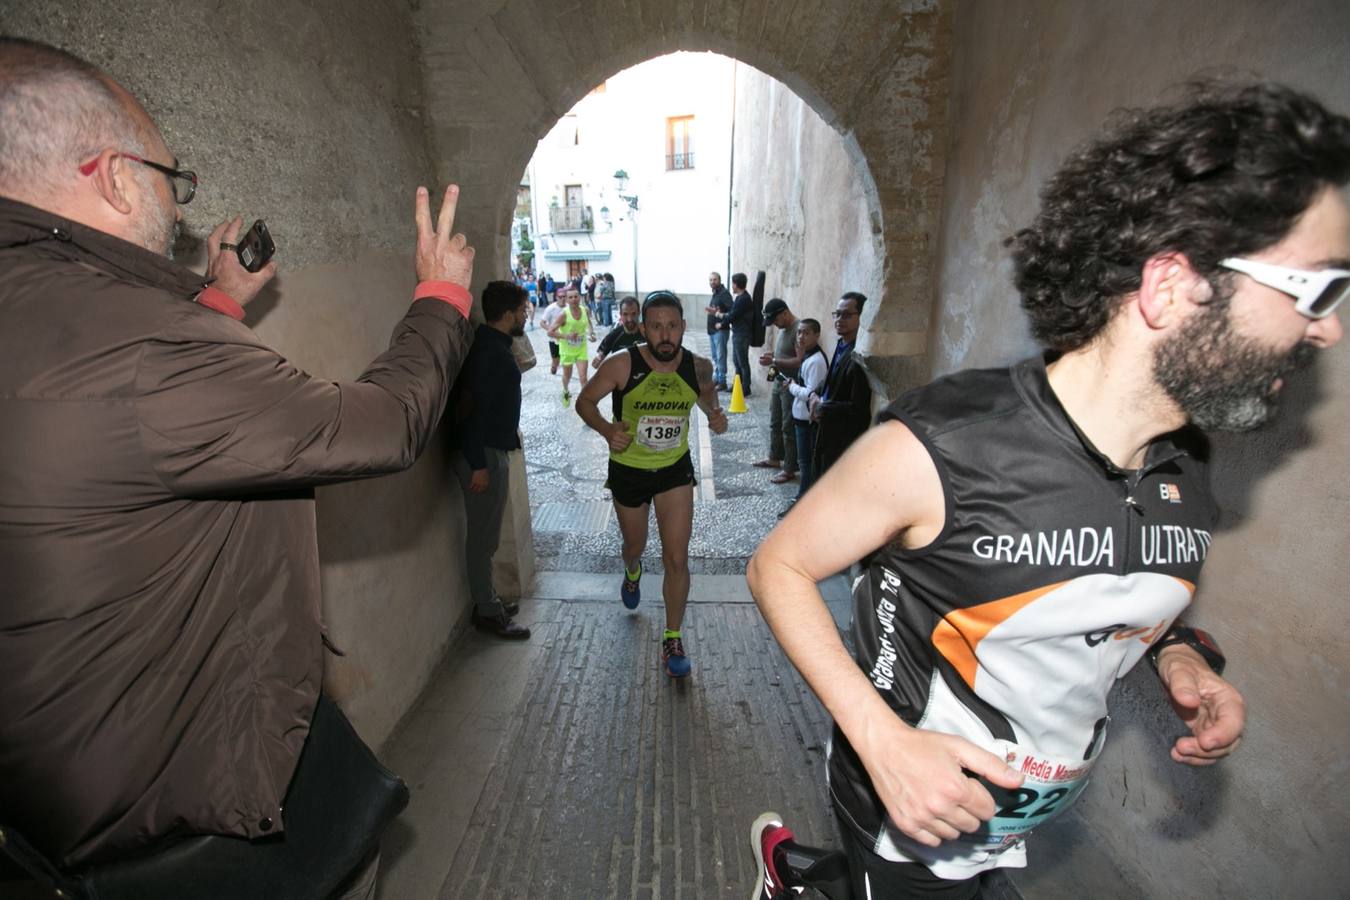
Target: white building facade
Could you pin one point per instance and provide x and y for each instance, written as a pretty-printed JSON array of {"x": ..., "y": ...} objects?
[{"x": 668, "y": 124}]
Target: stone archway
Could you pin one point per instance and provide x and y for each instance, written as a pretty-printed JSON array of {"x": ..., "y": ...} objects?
[{"x": 498, "y": 77}]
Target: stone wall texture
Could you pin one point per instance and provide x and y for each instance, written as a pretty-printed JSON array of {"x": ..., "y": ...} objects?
[
  {"x": 1029, "y": 81},
  {"x": 804, "y": 207}
]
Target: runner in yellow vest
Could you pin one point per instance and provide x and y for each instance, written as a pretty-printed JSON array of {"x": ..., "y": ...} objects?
[
  {"x": 655, "y": 387},
  {"x": 570, "y": 331}
]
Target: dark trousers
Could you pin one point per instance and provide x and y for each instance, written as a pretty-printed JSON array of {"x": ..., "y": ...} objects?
[
  {"x": 483, "y": 526},
  {"x": 740, "y": 357},
  {"x": 804, "y": 434},
  {"x": 782, "y": 439},
  {"x": 859, "y": 874}
]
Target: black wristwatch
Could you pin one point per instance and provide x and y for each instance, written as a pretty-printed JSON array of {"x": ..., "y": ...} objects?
[{"x": 1201, "y": 642}]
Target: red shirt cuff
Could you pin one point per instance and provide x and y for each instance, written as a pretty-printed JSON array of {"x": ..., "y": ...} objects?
[
  {"x": 221, "y": 302},
  {"x": 457, "y": 296}
]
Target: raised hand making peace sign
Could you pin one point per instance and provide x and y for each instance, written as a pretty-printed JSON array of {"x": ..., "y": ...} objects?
[{"x": 440, "y": 256}]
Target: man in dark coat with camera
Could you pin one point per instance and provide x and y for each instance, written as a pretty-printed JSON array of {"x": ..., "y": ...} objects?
[
  {"x": 161, "y": 649},
  {"x": 844, "y": 407}
]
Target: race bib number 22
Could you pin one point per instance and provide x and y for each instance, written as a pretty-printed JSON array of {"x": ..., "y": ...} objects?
[{"x": 1049, "y": 786}]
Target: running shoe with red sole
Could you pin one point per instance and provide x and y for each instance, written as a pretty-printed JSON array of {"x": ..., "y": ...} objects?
[{"x": 766, "y": 834}]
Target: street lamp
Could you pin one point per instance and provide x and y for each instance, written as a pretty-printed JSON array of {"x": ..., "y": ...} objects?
[{"x": 621, "y": 181}]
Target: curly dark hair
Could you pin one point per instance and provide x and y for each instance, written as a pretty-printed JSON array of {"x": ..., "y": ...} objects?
[{"x": 1225, "y": 173}]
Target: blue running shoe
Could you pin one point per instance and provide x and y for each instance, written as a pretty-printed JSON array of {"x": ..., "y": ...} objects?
[
  {"x": 672, "y": 654},
  {"x": 630, "y": 592}
]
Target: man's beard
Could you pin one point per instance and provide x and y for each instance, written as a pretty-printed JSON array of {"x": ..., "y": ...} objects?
[
  {"x": 1221, "y": 380},
  {"x": 518, "y": 330},
  {"x": 157, "y": 229},
  {"x": 664, "y": 355}
]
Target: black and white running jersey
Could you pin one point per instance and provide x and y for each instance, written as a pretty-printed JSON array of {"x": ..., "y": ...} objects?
[{"x": 1054, "y": 572}]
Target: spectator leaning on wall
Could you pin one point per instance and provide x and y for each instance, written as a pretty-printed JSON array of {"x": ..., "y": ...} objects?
[{"x": 160, "y": 642}]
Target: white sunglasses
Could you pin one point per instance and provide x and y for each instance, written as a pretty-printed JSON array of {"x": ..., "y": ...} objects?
[{"x": 1316, "y": 293}]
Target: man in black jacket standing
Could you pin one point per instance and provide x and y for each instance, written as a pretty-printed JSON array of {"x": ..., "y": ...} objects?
[
  {"x": 487, "y": 396},
  {"x": 844, "y": 407},
  {"x": 741, "y": 321},
  {"x": 718, "y": 308}
]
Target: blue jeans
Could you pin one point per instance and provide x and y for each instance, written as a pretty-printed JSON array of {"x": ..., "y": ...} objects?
[
  {"x": 718, "y": 340},
  {"x": 740, "y": 358},
  {"x": 806, "y": 448}
]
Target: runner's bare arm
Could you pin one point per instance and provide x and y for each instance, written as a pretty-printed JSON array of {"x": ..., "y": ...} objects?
[
  {"x": 885, "y": 488},
  {"x": 608, "y": 377},
  {"x": 707, "y": 394}
]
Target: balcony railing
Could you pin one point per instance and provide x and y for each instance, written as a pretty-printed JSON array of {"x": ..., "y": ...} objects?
[
  {"x": 680, "y": 160},
  {"x": 571, "y": 218}
]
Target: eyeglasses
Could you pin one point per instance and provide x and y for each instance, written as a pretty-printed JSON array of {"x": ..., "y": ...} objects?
[
  {"x": 1316, "y": 293},
  {"x": 183, "y": 182},
  {"x": 845, "y": 314}
]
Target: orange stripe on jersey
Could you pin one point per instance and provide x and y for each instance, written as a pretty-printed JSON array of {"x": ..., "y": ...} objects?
[{"x": 959, "y": 633}]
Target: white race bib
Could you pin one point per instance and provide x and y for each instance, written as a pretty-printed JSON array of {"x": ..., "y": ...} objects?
[
  {"x": 1049, "y": 786},
  {"x": 661, "y": 432}
]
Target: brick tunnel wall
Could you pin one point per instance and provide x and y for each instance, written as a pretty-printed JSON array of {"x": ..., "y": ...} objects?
[{"x": 309, "y": 115}]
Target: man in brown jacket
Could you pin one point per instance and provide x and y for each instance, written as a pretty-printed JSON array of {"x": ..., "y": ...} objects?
[{"x": 160, "y": 643}]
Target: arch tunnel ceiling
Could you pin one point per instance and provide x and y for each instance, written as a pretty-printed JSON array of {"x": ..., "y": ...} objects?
[{"x": 498, "y": 75}]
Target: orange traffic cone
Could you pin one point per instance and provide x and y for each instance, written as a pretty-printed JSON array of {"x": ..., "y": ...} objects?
[{"x": 737, "y": 397}]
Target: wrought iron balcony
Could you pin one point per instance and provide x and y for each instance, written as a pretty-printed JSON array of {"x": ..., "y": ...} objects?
[
  {"x": 680, "y": 160},
  {"x": 571, "y": 218}
]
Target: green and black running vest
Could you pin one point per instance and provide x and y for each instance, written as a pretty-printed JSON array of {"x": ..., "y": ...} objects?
[{"x": 655, "y": 407}]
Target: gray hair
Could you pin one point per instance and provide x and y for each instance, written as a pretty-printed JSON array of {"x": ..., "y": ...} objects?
[{"x": 56, "y": 111}]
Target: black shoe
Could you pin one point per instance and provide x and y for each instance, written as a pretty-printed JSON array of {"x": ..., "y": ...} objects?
[
  {"x": 511, "y": 607},
  {"x": 501, "y": 626}
]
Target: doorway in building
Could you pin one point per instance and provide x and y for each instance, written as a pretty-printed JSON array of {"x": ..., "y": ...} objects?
[{"x": 576, "y": 268}]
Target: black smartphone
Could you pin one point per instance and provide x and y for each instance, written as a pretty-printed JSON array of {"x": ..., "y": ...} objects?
[{"x": 255, "y": 248}]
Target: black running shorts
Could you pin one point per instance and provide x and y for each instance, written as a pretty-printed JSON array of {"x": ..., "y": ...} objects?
[
  {"x": 553, "y": 349},
  {"x": 636, "y": 487}
]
